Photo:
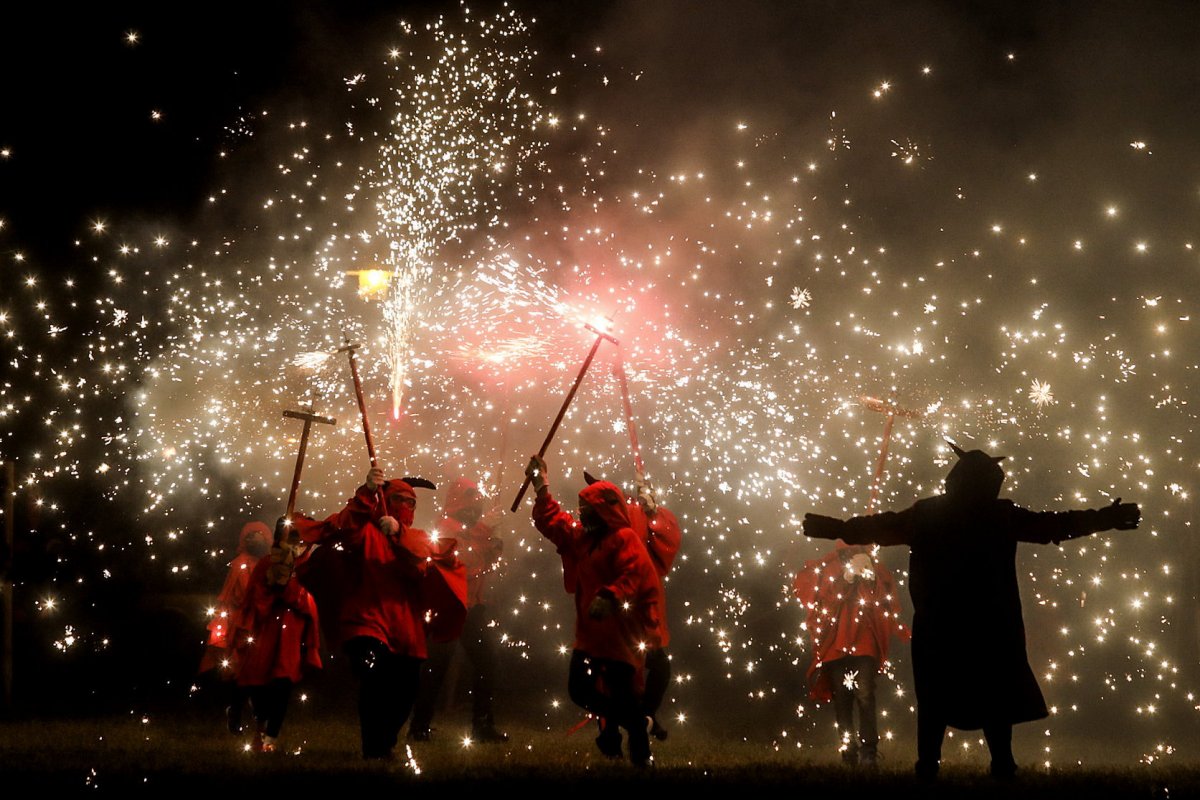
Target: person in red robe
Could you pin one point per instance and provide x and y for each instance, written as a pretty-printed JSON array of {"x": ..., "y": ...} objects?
[
  {"x": 970, "y": 668},
  {"x": 853, "y": 608},
  {"x": 617, "y": 614},
  {"x": 277, "y": 630},
  {"x": 397, "y": 585},
  {"x": 479, "y": 549},
  {"x": 220, "y": 656},
  {"x": 660, "y": 532}
]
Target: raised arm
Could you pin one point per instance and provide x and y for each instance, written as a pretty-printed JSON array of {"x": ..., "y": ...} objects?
[
  {"x": 347, "y": 524},
  {"x": 548, "y": 516}
]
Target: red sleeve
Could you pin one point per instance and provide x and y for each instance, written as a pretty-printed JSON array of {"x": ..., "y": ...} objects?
[
  {"x": 256, "y": 602},
  {"x": 663, "y": 538},
  {"x": 312, "y": 636},
  {"x": 555, "y": 524},
  {"x": 346, "y": 525},
  {"x": 807, "y": 583},
  {"x": 632, "y": 566},
  {"x": 887, "y": 584}
]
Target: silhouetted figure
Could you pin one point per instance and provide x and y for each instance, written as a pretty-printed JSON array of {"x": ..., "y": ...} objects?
[{"x": 970, "y": 669}]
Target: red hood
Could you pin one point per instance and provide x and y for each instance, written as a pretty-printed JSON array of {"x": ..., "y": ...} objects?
[
  {"x": 395, "y": 485},
  {"x": 461, "y": 494},
  {"x": 251, "y": 528},
  {"x": 608, "y": 502}
]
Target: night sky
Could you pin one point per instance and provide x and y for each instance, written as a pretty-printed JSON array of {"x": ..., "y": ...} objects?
[{"x": 985, "y": 213}]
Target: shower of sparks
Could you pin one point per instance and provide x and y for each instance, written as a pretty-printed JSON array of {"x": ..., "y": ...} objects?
[
  {"x": 489, "y": 219},
  {"x": 1040, "y": 394}
]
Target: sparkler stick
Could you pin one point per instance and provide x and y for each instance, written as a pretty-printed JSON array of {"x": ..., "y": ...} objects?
[
  {"x": 587, "y": 362},
  {"x": 309, "y": 418},
  {"x": 892, "y": 410},
  {"x": 349, "y": 349},
  {"x": 362, "y": 403},
  {"x": 619, "y": 370}
]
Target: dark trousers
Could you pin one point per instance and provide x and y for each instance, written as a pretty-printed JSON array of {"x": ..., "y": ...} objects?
[
  {"x": 931, "y": 730},
  {"x": 605, "y": 688},
  {"x": 658, "y": 680},
  {"x": 387, "y": 687},
  {"x": 859, "y": 695},
  {"x": 238, "y": 695},
  {"x": 478, "y": 643},
  {"x": 270, "y": 704}
]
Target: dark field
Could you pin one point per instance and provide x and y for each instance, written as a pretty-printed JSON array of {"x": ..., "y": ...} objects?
[{"x": 189, "y": 752}]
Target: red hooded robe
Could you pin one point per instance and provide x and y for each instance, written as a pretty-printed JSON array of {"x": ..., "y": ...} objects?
[
  {"x": 279, "y": 628},
  {"x": 478, "y": 549},
  {"x": 847, "y": 619},
  {"x": 661, "y": 534},
  {"x": 615, "y": 563},
  {"x": 395, "y": 588},
  {"x": 228, "y": 615}
]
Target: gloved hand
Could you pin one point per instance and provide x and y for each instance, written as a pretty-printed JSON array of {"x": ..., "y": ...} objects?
[
  {"x": 537, "y": 473},
  {"x": 821, "y": 527},
  {"x": 601, "y": 606},
  {"x": 283, "y": 562},
  {"x": 1119, "y": 516},
  {"x": 374, "y": 480},
  {"x": 388, "y": 526},
  {"x": 645, "y": 495}
]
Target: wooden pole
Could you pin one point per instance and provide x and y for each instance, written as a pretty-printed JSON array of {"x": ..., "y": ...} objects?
[
  {"x": 362, "y": 400},
  {"x": 587, "y": 362},
  {"x": 619, "y": 368},
  {"x": 892, "y": 411},
  {"x": 309, "y": 418}
]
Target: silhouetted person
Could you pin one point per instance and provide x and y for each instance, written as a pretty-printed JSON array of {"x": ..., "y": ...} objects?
[{"x": 970, "y": 669}]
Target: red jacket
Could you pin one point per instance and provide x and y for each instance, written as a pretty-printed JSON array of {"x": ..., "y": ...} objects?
[
  {"x": 662, "y": 536},
  {"x": 847, "y": 618},
  {"x": 279, "y": 629},
  {"x": 227, "y": 617},
  {"x": 616, "y": 564},
  {"x": 394, "y": 589},
  {"x": 478, "y": 549}
]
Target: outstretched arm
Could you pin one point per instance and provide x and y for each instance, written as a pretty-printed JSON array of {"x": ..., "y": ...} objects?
[
  {"x": 885, "y": 529},
  {"x": 1046, "y": 527}
]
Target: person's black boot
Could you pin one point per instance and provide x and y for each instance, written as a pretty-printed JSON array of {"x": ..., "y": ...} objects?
[{"x": 609, "y": 740}]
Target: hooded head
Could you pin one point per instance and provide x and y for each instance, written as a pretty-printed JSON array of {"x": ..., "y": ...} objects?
[
  {"x": 255, "y": 539},
  {"x": 975, "y": 478},
  {"x": 401, "y": 500},
  {"x": 602, "y": 508},
  {"x": 464, "y": 501}
]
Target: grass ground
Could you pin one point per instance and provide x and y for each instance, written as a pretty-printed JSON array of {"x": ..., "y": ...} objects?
[{"x": 185, "y": 753}]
